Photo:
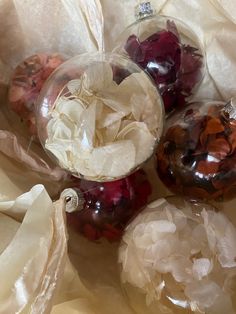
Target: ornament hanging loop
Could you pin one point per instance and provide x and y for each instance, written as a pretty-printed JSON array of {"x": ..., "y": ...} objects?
[{"x": 143, "y": 9}]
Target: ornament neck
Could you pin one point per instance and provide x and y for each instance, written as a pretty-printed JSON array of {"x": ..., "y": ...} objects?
[
  {"x": 143, "y": 9},
  {"x": 73, "y": 199}
]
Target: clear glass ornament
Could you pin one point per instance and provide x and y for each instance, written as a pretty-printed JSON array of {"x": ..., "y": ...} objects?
[
  {"x": 26, "y": 83},
  {"x": 99, "y": 116},
  {"x": 103, "y": 209},
  {"x": 196, "y": 156},
  {"x": 176, "y": 257},
  {"x": 168, "y": 50}
]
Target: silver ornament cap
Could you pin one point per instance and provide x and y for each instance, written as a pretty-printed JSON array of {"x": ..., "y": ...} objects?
[
  {"x": 143, "y": 10},
  {"x": 71, "y": 199},
  {"x": 230, "y": 109}
]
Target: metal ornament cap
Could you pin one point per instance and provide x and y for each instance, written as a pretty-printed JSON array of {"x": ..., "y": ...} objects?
[
  {"x": 71, "y": 200},
  {"x": 230, "y": 109},
  {"x": 143, "y": 10}
]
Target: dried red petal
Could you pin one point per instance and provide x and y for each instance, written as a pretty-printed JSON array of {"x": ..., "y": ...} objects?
[
  {"x": 111, "y": 233},
  {"x": 191, "y": 64},
  {"x": 91, "y": 233}
]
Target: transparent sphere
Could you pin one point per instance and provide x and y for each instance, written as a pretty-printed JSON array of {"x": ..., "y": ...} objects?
[
  {"x": 99, "y": 116},
  {"x": 176, "y": 257},
  {"x": 169, "y": 51},
  {"x": 26, "y": 83},
  {"x": 103, "y": 209},
  {"x": 196, "y": 156}
]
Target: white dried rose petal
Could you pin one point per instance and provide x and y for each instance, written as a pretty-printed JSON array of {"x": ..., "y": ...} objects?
[
  {"x": 59, "y": 152},
  {"x": 143, "y": 111},
  {"x": 116, "y": 105},
  {"x": 180, "y": 267},
  {"x": 143, "y": 140},
  {"x": 110, "y": 118},
  {"x": 99, "y": 110},
  {"x": 110, "y": 133},
  {"x": 74, "y": 86},
  {"x": 158, "y": 251},
  {"x": 210, "y": 231},
  {"x": 204, "y": 292},
  {"x": 226, "y": 247},
  {"x": 72, "y": 109},
  {"x": 157, "y": 203},
  {"x": 201, "y": 268},
  {"x": 61, "y": 129},
  {"x": 86, "y": 130},
  {"x": 98, "y": 77},
  {"x": 113, "y": 160}
]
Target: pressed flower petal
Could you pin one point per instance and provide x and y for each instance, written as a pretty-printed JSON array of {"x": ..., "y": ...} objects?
[
  {"x": 204, "y": 292},
  {"x": 113, "y": 160},
  {"x": 201, "y": 268}
]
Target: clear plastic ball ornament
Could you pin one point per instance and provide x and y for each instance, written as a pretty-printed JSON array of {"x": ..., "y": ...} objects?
[
  {"x": 99, "y": 210},
  {"x": 168, "y": 50},
  {"x": 176, "y": 257},
  {"x": 99, "y": 116},
  {"x": 26, "y": 82},
  {"x": 196, "y": 156}
]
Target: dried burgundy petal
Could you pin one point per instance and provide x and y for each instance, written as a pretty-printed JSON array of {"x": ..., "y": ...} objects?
[{"x": 191, "y": 64}]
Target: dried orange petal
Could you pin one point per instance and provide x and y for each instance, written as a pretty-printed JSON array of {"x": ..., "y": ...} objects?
[
  {"x": 177, "y": 134},
  {"x": 218, "y": 148},
  {"x": 232, "y": 141},
  {"x": 214, "y": 126},
  {"x": 207, "y": 168}
]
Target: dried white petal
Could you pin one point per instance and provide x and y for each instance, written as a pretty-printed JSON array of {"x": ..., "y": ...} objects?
[
  {"x": 113, "y": 159},
  {"x": 204, "y": 292},
  {"x": 74, "y": 86},
  {"x": 201, "y": 268}
]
